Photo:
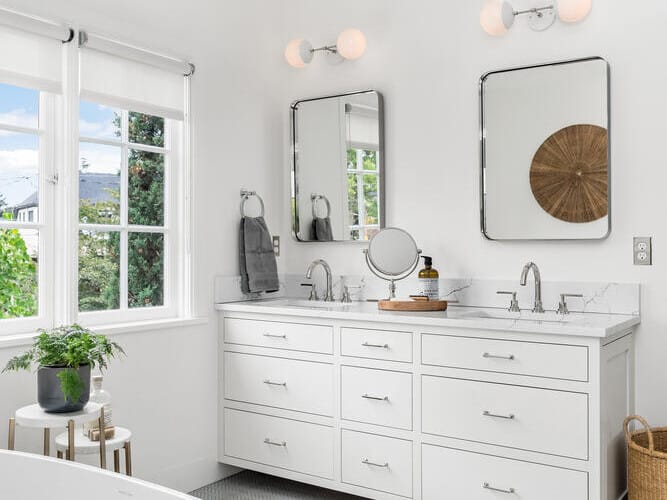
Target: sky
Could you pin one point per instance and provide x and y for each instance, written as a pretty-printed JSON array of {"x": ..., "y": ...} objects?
[{"x": 19, "y": 151}]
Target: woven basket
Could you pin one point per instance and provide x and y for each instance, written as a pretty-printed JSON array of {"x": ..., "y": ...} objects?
[{"x": 647, "y": 461}]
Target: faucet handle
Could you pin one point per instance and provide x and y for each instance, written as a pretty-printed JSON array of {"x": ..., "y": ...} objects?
[
  {"x": 514, "y": 304},
  {"x": 562, "y": 305},
  {"x": 346, "y": 294},
  {"x": 313, "y": 291}
]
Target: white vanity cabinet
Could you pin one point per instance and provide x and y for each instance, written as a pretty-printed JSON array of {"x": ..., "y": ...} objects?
[{"x": 391, "y": 406}]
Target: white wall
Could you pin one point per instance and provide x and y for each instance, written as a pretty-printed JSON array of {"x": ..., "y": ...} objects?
[
  {"x": 426, "y": 57},
  {"x": 165, "y": 391}
]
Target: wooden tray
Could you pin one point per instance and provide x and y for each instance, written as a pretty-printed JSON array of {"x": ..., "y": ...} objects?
[{"x": 412, "y": 305}]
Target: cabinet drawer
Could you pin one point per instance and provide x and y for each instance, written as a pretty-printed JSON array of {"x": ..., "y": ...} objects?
[
  {"x": 507, "y": 356},
  {"x": 280, "y": 442},
  {"x": 377, "y": 462},
  {"x": 542, "y": 420},
  {"x": 378, "y": 397},
  {"x": 282, "y": 383},
  {"x": 292, "y": 336},
  {"x": 376, "y": 344},
  {"x": 448, "y": 473}
]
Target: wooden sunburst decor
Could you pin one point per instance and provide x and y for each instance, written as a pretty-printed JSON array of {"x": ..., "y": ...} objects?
[{"x": 569, "y": 174}]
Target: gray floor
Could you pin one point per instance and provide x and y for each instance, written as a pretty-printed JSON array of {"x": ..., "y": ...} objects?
[{"x": 248, "y": 485}]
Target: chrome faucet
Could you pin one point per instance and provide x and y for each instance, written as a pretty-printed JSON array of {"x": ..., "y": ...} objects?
[
  {"x": 537, "y": 308},
  {"x": 327, "y": 269}
]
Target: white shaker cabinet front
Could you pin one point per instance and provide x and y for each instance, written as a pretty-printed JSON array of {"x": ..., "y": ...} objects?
[{"x": 390, "y": 409}]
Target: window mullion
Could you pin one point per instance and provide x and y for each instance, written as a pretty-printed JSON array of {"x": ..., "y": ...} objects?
[{"x": 124, "y": 205}]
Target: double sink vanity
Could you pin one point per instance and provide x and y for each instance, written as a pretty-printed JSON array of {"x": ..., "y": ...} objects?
[{"x": 472, "y": 403}]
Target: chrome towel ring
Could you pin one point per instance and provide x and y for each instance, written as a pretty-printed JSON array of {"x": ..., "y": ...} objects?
[
  {"x": 314, "y": 198},
  {"x": 245, "y": 196}
]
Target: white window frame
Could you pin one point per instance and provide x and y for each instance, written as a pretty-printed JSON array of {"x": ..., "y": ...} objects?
[
  {"x": 45, "y": 132},
  {"x": 172, "y": 163},
  {"x": 59, "y": 214},
  {"x": 359, "y": 172}
]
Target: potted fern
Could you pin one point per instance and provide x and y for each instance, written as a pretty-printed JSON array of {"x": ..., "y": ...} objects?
[{"x": 64, "y": 357}]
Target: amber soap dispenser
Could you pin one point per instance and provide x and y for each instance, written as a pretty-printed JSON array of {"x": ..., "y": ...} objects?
[{"x": 428, "y": 279}]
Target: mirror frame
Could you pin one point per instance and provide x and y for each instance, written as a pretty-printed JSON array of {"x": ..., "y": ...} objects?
[
  {"x": 482, "y": 148},
  {"x": 294, "y": 170}
]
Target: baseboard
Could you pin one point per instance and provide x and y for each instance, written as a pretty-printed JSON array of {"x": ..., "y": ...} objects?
[{"x": 189, "y": 477}]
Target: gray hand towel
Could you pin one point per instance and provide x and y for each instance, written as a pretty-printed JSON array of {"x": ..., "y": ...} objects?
[
  {"x": 322, "y": 230},
  {"x": 259, "y": 271}
]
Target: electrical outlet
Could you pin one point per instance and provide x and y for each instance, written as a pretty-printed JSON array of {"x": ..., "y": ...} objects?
[
  {"x": 276, "y": 245},
  {"x": 642, "y": 251}
]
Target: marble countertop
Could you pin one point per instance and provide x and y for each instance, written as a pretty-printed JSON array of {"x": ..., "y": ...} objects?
[{"x": 574, "y": 324}]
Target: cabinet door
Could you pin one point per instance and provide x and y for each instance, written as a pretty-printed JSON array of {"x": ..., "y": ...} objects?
[
  {"x": 449, "y": 474},
  {"x": 379, "y": 397},
  {"x": 377, "y": 462},
  {"x": 279, "y": 335},
  {"x": 376, "y": 344},
  {"x": 568, "y": 362},
  {"x": 528, "y": 418},
  {"x": 282, "y": 383},
  {"x": 280, "y": 442}
]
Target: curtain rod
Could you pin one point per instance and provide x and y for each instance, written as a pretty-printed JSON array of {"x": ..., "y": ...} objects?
[
  {"x": 120, "y": 49},
  {"x": 35, "y": 25}
]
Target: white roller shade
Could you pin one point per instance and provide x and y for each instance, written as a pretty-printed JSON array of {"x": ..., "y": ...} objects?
[
  {"x": 30, "y": 60},
  {"x": 363, "y": 129},
  {"x": 114, "y": 74}
]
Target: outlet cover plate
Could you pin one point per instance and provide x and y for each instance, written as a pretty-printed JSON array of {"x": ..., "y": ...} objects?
[
  {"x": 276, "y": 245},
  {"x": 642, "y": 251}
]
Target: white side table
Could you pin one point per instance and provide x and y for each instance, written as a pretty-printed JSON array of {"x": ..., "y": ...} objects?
[
  {"x": 33, "y": 416},
  {"x": 84, "y": 446}
]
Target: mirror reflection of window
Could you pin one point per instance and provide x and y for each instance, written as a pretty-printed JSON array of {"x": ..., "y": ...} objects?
[{"x": 363, "y": 173}]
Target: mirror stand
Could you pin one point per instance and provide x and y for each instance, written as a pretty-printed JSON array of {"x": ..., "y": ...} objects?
[{"x": 390, "y": 278}]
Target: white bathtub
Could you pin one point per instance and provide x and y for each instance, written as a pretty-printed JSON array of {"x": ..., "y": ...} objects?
[{"x": 33, "y": 477}]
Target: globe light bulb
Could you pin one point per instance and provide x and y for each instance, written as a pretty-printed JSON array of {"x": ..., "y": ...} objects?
[
  {"x": 572, "y": 11},
  {"x": 351, "y": 44},
  {"x": 496, "y": 17},
  {"x": 298, "y": 53}
]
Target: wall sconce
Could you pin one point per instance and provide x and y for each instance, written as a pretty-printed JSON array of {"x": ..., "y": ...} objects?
[
  {"x": 498, "y": 16},
  {"x": 351, "y": 44}
]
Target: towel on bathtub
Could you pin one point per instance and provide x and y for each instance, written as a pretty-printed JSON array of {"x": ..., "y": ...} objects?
[{"x": 257, "y": 262}]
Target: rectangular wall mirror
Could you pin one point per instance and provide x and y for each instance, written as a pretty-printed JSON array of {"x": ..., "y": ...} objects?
[
  {"x": 545, "y": 152},
  {"x": 338, "y": 167}
]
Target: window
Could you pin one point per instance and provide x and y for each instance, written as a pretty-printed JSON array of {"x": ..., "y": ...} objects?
[
  {"x": 123, "y": 161},
  {"x": 114, "y": 247},
  {"x": 363, "y": 193},
  {"x": 24, "y": 161}
]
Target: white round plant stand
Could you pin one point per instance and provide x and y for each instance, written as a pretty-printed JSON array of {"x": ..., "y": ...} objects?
[
  {"x": 84, "y": 446},
  {"x": 34, "y": 417}
]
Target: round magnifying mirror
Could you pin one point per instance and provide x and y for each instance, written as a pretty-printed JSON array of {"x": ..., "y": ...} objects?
[{"x": 392, "y": 255}]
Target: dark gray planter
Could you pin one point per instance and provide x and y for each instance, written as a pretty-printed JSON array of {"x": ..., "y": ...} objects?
[{"x": 49, "y": 395}]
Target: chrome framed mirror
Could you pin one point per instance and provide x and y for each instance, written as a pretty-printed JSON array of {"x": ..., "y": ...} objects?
[
  {"x": 392, "y": 255},
  {"x": 545, "y": 152},
  {"x": 338, "y": 166}
]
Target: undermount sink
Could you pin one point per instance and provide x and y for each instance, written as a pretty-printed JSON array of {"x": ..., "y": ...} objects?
[
  {"x": 310, "y": 304},
  {"x": 546, "y": 317}
]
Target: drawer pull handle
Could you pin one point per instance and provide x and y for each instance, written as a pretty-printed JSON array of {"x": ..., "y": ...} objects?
[
  {"x": 496, "y": 415},
  {"x": 368, "y": 462},
  {"x": 375, "y": 398},
  {"x": 275, "y": 443},
  {"x": 509, "y": 357},
  {"x": 487, "y": 486},
  {"x": 274, "y": 336},
  {"x": 271, "y": 382},
  {"x": 381, "y": 346}
]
